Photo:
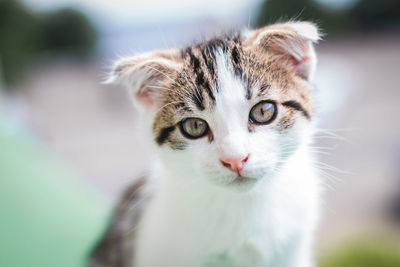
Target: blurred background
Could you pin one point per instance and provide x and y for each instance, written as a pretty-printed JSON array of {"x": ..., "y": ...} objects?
[{"x": 55, "y": 112}]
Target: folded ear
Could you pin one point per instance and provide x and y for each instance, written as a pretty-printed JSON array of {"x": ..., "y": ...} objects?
[
  {"x": 291, "y": 43},
  {"x": 145, "y": 74}
]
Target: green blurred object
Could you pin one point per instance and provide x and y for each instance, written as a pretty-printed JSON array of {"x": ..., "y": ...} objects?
[
  {"x": 373, "y": 253},
  {"x": 48, "y": 217}
]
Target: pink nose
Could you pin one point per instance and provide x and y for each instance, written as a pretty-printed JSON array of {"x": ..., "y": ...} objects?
[{"x": 234, "y": 164}]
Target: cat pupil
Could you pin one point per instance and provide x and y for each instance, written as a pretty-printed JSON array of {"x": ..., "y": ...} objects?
[{"x": 263, "y": 109}]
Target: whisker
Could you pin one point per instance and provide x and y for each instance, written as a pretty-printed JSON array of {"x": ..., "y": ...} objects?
[
  {"x": 168, "y": 89},
  {"x": 162, "y": 73},
  {"x": 170, "y": 103}
]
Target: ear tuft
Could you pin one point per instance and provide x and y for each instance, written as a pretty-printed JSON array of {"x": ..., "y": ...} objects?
[
  {"x": 144, "y": 73},
  {"x": 306, "y": 29},
  {"x": 115, "y": 75}
]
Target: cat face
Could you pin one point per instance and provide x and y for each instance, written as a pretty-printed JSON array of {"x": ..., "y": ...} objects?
[{"x": 229, "y": 111}]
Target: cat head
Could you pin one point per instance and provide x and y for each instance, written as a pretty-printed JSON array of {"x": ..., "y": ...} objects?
[{"x": 231, "y": 110}]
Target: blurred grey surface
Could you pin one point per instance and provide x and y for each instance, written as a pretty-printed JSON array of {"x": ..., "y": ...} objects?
[{"x": 93, "y": 128}]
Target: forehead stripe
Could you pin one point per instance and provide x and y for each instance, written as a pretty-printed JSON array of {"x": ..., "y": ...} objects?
[
  {"x": 249, "y": 93},
  {"x": 202, "y": 83},
  {"x": 209, "y": 92},
  {"x": 208, "y": 61},
  {"x": 235, "y": 55},
  {"x": 196, "y": 96},
  {"x": 193, "y": 59},
  {"x": 296, "y": 106}
]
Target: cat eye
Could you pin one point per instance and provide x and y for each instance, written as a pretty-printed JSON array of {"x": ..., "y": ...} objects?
[
  {"x": 263, "y": 112},
  {"x": 194, "y": 128}
]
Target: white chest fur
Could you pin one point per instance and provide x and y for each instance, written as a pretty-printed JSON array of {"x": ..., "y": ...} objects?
[{"x": 203, "y": 226}]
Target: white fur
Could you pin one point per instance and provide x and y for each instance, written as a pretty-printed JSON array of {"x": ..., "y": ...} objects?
[
  {"x": 306, "y": 30},
  {"x": 200, "y": 217}
]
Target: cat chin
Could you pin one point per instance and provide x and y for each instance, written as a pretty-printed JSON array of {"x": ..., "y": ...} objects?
[
  {"x": 242, "y": 184},
  {"x": 237, "y": 184}
]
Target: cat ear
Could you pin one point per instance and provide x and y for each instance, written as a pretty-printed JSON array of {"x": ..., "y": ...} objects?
[
  {"x": 144, "y": 74},
  {"x": 291, "y": 43}
]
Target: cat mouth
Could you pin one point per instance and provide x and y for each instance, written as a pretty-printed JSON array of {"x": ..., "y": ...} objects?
[
  {"x": 242, "y": 183},
  {"x": 243, "y": 180}
]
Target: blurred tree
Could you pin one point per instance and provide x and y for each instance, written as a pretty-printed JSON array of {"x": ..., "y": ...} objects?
[
  {"x": 67, "y": 31},
  {"x": 334, "y": 18},
  {"x": 24, "y": 35},
  {"x": 329, "y": 20},
  {"x": 275, "y": 10},
  {"x": 372, "y": 14},
  {"x": 19, "y": 35}
]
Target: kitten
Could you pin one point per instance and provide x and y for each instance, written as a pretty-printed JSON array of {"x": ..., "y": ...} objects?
[{"x": 231, "y": 119}]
